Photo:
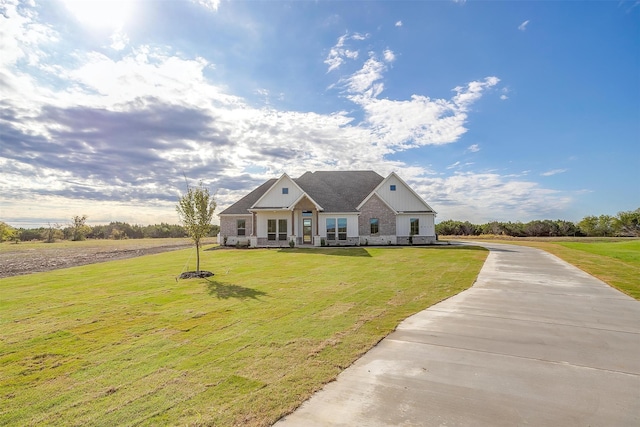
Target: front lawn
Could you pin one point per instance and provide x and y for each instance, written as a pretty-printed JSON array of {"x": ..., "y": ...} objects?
[{"x": 124, "y": 343}]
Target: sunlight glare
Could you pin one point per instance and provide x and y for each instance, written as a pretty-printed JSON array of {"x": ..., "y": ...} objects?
[{"x": 100, "y": 14}]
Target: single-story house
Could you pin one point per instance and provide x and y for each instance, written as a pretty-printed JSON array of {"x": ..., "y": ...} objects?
[{"x": 332, "y": 208}]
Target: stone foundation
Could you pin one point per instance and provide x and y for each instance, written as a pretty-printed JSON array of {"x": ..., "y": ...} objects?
[
  {"x": 351, "y": 241},
  {"x": 417, "y": 240},
  {"x": 378, "y": 240}
]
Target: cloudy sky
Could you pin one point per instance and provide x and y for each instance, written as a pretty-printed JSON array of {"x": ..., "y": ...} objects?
[{"x": 490, "y": 110}]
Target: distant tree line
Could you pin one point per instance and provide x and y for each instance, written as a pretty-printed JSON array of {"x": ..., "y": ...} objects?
[
  {"x": 625, "y": 224},
  {"x": 78, "y": 230}
]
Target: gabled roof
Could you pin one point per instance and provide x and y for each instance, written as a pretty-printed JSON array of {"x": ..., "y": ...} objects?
[
  {"x": 383, "y": 201},
  {"x": 303, "y": 196},
  {"x": 339, "y": 191},
  {"x": 282, "y": 178},
  {"x": 288, "y": 202},
  {"x": 241, "y": 207},
  {"x": 383, "y": 182},
  {"x": 333, "y": 191}
]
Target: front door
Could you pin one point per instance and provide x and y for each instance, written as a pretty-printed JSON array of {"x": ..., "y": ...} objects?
[{"x": 306, "y": 230}]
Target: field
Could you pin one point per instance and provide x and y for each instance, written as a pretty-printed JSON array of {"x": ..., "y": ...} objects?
[
  {"x": 615, "y": 261},
  {"x": 31, "y": 257},
  {"x": 125, "y": 343}
]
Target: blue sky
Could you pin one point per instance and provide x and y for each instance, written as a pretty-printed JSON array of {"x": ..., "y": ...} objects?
[{"x": 507, "y": 111}]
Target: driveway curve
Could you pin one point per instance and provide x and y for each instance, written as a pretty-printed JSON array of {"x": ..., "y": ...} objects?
[{"x": 535, "y": 341}]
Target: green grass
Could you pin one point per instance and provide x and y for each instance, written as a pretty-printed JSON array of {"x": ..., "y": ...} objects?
[
  {"x": 625, "y": 251},
  {"x": 124, "y": 343}
]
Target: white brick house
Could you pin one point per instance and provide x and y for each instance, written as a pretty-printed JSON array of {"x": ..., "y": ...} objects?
[{"x": 339, "y": 208}]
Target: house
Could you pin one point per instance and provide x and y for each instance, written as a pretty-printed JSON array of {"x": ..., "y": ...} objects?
[{"x": 333, "y": 208}]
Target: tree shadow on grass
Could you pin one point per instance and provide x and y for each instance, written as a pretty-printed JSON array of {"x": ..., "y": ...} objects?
[{"x": 225, "y": 291}]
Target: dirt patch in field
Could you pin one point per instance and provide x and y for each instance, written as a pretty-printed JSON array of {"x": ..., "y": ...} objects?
[{"x": 26, "y": 261}]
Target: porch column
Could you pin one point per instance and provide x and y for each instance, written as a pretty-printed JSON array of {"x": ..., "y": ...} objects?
[
  {"x": 253, "y": 223},
  {"x": 317, "y": 221},
  {"x": 317, "y": 241},
  {"x": 253, "y": 239}
]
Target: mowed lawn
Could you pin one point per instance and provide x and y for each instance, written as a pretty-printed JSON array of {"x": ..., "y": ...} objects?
[{"x": 124, "y": 343}]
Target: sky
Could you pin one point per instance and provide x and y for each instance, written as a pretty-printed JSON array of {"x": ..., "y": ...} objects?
[{"x": 490, "y": 110}]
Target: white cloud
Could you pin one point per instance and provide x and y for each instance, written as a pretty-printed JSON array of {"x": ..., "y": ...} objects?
[
  {"x": 399, "y": 24},
  {"x": 338, "y": 53},
  {"x": 389, "y": 56},
  {"x": 473, "y": 148},
  {"x": 265, "y": 94},
  {"x": 364, "y": 80},
  {"x": 504, "y": 97},
  {"x": 523, "y": 26},
  {"x": 119, "y": 40},
  {"x": 466, "y": 96},
  {"x": 472, "y": 196},
  {"x": 124, "y": 127},
  {"x": 454, "y": 165},
  {"x": 21, "y": 37},
  {"x": 401, "y": 125},
  {"x": 209, "y": 4},
  {"x": 335, "y": 58},
  {"x": 553, "y": 172}
]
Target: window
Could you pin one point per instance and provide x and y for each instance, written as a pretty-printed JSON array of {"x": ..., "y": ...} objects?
[
  {"x": 282, "y": 229},
  {"x": 242, "y": 227},
  {"x": 277, "y": 229},
  {"x": 331, "y": 229},
  {"x": 392, "y": 187},
  {"x": 285, "y": 190},
  {"x": 271, "y": 229},
  {"x": 415, "y": 226},
  {"x": 374, "y": 226},
  {"x": 342, "y": 228}
]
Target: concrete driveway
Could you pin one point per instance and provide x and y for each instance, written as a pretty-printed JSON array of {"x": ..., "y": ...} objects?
[{"x": 534, "y": 342}]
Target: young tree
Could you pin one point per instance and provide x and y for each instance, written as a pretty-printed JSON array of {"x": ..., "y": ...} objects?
[
  {"x": 79, "y": 228},
  {"x": 195, "y": 210},
  {"x": 7, "y": 232},
  {"x": 52, "y": 233}
]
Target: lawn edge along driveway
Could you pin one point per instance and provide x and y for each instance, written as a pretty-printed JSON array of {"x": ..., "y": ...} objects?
[{"x": 535, "y": 341}]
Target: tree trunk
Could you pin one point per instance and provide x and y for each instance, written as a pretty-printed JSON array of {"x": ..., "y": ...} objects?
[{"x": 198, "y": 257}]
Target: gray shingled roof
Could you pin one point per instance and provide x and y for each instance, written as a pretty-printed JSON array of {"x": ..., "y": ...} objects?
[
  {"x": 339, "y": 191},
  {"x": 242, "y": 206},
  {"x": 335, "y": 191}
]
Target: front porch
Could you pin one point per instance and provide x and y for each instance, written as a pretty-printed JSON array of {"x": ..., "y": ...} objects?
[{"x": 286, "y": 227}]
